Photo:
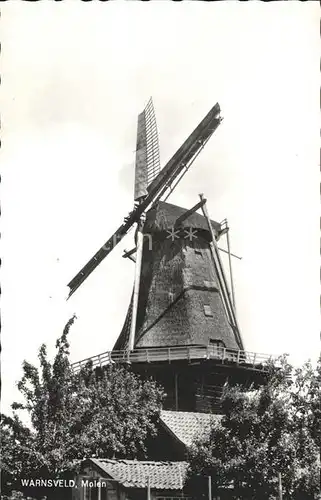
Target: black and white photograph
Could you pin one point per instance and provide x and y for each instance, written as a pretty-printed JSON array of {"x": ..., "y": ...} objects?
[{"x": 160, "y": 274}]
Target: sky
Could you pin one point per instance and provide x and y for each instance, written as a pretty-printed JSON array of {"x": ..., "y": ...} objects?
[{"x": 75, "y": 75}]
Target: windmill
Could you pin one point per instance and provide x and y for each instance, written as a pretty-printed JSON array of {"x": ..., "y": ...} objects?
[{"x": 181, "y": 309}]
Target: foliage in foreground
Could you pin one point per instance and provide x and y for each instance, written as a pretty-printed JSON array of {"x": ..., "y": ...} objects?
[
  {"x": 275, "y": 429},
  {"x": 103, "y": 413}
]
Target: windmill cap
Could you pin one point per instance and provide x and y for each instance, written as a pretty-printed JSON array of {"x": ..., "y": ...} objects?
[{"x": 163, "y": 216}]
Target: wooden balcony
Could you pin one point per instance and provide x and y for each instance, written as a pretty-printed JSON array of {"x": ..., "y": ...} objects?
[{"x": 251, "y": 360}]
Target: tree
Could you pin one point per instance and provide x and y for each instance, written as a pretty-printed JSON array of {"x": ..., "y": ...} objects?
[
  {"x": 307, "y": 399},
  {"x": 264, "y": 432},
  {"x": 16, "y": 447},
  {"x": 103, "y": 413}
]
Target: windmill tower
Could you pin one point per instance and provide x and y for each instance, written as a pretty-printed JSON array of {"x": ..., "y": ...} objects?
[{"x": 181, "y": 326}]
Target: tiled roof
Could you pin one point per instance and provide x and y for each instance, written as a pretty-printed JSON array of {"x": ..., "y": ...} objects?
[
  {"x": 134, "y": 473},
  {"x": 186, "y": 426}
]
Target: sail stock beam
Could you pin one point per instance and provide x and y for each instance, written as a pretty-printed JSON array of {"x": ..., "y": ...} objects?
[
  {"x": 138, "y": 265},
  {"x": 224, "y": 290}
]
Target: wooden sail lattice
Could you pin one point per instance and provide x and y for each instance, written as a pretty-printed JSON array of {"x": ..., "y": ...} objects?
[
  {"x": 153, "y": 157},
  {"x": 147, "y": 151}
]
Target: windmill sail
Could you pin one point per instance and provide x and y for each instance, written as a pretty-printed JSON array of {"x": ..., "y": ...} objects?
[
  {"x": 147, "y": 151},
  {"x": 183, "y": 157}
]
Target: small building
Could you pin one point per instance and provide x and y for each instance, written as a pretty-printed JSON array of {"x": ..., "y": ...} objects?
[
  {"x": 163, "y": 475},
  {"x": 105, "y": 479}
]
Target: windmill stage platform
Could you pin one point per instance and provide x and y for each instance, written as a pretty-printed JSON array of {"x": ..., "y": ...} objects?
[
  {"x": 193, "y": 376},
  {"x": 221, "y": 356}
]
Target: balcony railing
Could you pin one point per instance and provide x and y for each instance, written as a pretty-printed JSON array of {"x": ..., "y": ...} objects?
[{"x": 247, "y": 359}]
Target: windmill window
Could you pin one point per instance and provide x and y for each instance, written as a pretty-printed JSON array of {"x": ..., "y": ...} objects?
[
  {"x": 217, "y": 343},
  {"x": 197, "y": 251},
  {"x": 207, "y": 310}
]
